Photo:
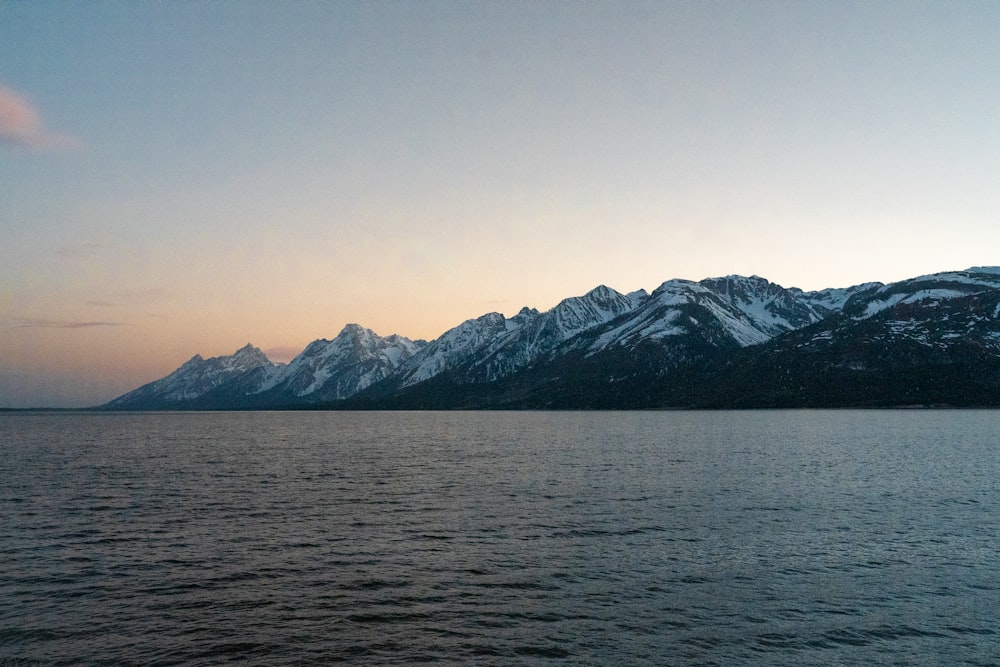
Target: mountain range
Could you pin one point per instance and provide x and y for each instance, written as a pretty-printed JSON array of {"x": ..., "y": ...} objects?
[{"x": 729, "y": 342}]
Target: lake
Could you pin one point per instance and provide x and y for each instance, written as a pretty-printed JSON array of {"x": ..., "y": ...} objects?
[{"x": 501, "y": 538}]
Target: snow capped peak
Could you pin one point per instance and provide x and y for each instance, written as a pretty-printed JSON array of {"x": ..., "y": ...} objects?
[
  {"x": 526, "y": 313},
  {"x": 771, "y": 308},
  {"x": 674, "y": 284},
  {"x": 538, "y": 334},
  {"x": 602, "y": 293},
  {"x": 677, "y": 288},
  {"x": 737, "y": 279},
  {"x": 198, "y": 376},
  {"x": 353, "y": 329},
  {"x": 333, "y": 369},
  {"x": 749, "y": 310},
  {"x": 248, "y": 354},
  {"x": 523, "y": 317},
  {"x": 244, "y": 358},
  {"x": 456, "y": 345},
  {"x": 355, "y": 334},
  {"x": 599, "y": 305},
  {"x": 609, "y": 300}
]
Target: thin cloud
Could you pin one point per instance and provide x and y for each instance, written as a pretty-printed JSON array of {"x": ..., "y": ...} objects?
[
  {"x": 21, "y": 125},
  {"x": 146, "y": 297},
  {"x": 83, "y": 250},
  {"x": 30, "y": 323},
  {"x": 152, "y": 296}
]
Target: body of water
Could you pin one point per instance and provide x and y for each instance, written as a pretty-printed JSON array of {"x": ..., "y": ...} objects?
[{"x": 501, "y": 538}]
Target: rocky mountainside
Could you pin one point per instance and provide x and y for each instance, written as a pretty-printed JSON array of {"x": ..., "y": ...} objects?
[
  {"x": 248, "y": 368},
  {"x": 721, "y": 342},
  {"x": 933, "y": 340},
  {"x": 330, "y": 370}
]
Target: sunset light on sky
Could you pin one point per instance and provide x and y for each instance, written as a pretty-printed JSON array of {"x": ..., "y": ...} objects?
[{"x": 186, "y": 177}]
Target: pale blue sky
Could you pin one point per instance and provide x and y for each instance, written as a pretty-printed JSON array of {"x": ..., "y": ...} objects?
[{"x": 184, "y": 177}]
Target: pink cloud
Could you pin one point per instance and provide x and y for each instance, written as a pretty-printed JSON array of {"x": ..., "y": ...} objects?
[{"x": 22, "y": 126}]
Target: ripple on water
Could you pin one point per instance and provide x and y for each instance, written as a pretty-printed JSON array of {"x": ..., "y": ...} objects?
[{"x": 500, "y": 538}]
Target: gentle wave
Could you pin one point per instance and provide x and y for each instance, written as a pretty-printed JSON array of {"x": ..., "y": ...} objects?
[{"x": 500, "y": 538}]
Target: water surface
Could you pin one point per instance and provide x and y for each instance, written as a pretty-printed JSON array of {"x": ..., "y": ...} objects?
[{"x": 579, "y": 538}]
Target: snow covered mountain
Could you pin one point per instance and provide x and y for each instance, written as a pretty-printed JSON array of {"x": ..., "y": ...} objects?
[
  {"x": 737, "y": 310},
  {"x": 931, "y": 340},
  {"x": 468, "y": 339},
  {"x": 944, "y": 312},
  {"x": 492, "y": 346},
  {"x": 720, "y": 341},
  {"x": 247, "y": 367},
  {"x": 330, "y": 370}
]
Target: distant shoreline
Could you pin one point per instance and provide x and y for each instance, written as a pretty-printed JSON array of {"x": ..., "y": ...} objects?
[{"x": 98, "y": 410}]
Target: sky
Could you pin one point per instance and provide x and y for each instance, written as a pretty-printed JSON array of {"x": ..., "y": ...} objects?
[{"x": 181, "y": 178}]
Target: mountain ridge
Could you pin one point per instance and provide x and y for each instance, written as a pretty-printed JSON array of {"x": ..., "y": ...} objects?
[{"x": 730, "y": 341}]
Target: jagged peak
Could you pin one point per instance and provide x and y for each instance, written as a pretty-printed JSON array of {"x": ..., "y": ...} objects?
[
  {"x": 491, "y": 321},
  {"x": 488, "y": 318},
  {"x": 247, "y": 353},
  {"x": 354, "y": 328},
  {"x": 357, "y": 332},
  {"x": 250, "y": 350},
  {"x": 193, "y": 361},
  {"x": 734, "y": 280},
  {"x": 736, "y": 277},
  {"x": 603, "y": 292},
  {"x": 354, "y": 334},
  {"x": 354, "y": 331}
]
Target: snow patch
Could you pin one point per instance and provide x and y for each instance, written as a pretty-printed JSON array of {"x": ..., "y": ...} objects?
[
  {"x": 877, "y": 306},
  {"x": 934, "y": 294}
]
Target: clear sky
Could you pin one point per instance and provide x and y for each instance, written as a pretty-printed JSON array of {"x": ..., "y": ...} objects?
[{"x": 187, "y": 177}]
